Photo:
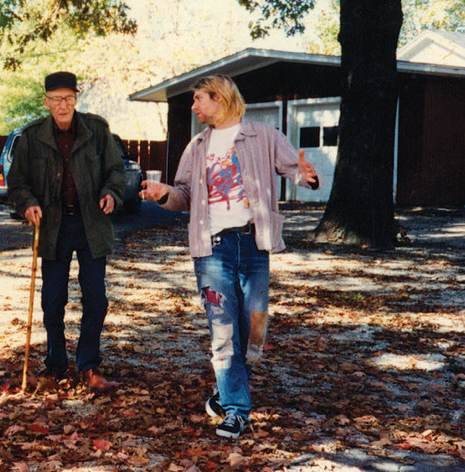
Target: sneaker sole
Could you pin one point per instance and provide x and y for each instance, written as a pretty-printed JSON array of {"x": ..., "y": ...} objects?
[
  {"x": 210, "y": 411},
  {"x": 227, "y": 434}
]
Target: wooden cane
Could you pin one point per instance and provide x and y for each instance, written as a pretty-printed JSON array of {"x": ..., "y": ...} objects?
[{"x": 35, "y": 250}]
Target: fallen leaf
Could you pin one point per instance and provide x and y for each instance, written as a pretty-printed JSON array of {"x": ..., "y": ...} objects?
[
  {"x": 193, "y": 468},
  {"x": 67, "y": 428},
  {"x": 138, "y": 460},
  {"x": 101, "y": 444},
  {"x": 155, "y": 429},
  {"x": 20, "y": 467},
  {"x": 211, "y": 466},
  {"x": 175, "y": 468},
  {"x": 197, "y": 418},
  {"x": 235, "y": 459},
  {"x": 12, "y": 430},
  {"x": 39, "y": 428}
]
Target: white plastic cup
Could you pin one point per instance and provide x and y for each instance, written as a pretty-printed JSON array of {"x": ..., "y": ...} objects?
[{"x": 153, "y": 175}]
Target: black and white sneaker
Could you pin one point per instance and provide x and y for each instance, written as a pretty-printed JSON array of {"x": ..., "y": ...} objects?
[
  {"x": 232, "y": 426},
  {"x": 212, "y": 405}
]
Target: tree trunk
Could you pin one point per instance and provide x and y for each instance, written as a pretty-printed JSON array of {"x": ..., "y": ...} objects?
[{"x": 360, "y": 209}]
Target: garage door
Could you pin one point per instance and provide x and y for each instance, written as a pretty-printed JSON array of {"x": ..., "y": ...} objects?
[
  {"x": 269, "y": 113},
  {"x": 313, "y": 126}
]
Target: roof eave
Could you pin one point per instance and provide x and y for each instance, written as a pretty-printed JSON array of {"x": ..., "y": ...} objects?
[
  {"x": 183, "y": 83},
  {"x": 251, "y": 59},
  {"x": 425, "y": 69}
]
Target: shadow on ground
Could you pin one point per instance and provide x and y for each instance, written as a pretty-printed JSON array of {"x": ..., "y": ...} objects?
[{"x": 364, "y": 367}]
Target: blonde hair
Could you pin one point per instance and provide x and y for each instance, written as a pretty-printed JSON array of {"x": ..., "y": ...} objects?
[{"x": 223, "y": 88}]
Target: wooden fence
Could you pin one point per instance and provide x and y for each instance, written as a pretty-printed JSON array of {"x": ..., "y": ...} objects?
[{"x": 151, "y": 155}]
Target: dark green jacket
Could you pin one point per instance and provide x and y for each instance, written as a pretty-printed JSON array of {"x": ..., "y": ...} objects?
[{"x": 35, "y": 178}]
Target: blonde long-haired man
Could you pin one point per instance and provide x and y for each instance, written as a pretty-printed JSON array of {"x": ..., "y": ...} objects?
[{"x": 227, "y": 179}]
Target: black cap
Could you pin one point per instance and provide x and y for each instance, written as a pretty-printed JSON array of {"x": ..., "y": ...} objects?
[{"x": 61, "y": 80}]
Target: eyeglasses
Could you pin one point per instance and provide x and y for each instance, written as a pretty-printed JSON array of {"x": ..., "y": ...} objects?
[{"x": 68, "y": 100}]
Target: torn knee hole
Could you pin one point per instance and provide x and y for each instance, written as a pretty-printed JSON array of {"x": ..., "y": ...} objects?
[{"x": 212, "y": 297}]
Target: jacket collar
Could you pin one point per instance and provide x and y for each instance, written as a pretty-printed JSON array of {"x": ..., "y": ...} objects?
[
  {"x": 247, "y": 129},
  {"x": 46, "y": 133},
  {"x": 83, "y": 133},
  {"x": 47, "y": 136}
]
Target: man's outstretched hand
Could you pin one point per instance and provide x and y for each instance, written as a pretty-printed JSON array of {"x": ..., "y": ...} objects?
[
  {"x": 153, "y": 190},
  {"x": 307, "y": 171}
]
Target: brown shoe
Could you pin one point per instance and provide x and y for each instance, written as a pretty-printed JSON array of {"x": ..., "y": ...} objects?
[
  {"x": 48, "y": 379},
  {"x": 97, "y": 382},
  {"x": 53, "y": 374}
]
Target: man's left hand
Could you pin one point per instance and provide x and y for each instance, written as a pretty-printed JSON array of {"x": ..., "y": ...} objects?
[
  {"x": 107, "y": 204},
  {"x": 307, "y": 171}
]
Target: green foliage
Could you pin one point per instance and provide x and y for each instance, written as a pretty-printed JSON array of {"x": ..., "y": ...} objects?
[
  {"x": 419, "y": 15},
  {"x": 322, "y": 29},
  {"x": 43, "y": 36},
  {"x": 22, "y": 103},
  {"x": 277, "y": 14},
  {"x": 99, "y": 16},
  {"x": 21, "y": 90},
  {"x": 24, "y": 23},
  {"x": 323, "y": 22}
]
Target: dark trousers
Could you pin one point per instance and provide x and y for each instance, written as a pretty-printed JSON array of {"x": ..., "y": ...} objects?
[{"x": 55, "y": 276}]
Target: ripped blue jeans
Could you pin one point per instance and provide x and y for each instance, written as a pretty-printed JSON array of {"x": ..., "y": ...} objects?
[{"x": 234, "y": 287}]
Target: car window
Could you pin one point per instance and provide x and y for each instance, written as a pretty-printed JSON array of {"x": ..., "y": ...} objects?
[{"x": 13, "y": 147}]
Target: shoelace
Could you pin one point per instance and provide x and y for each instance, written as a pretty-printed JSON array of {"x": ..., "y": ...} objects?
[{"x": 230, "y": 419}]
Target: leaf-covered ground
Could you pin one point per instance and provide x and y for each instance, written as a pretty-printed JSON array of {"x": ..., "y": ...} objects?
[{"x": 364, "y": 365}]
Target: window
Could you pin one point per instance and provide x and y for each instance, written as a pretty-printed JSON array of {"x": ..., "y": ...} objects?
[
  {"x": 330, "y": 135},
  {"x": 13, "y": 147},
  {"x": 310, "y": 137}
]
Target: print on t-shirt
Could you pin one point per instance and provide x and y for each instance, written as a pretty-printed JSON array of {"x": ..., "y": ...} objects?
[
  {"x": 228, "y": 206},
  {"x": 224, "y": 179}
]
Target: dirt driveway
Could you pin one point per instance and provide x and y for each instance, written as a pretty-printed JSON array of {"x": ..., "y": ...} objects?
[{"x": 364, "y": 366}]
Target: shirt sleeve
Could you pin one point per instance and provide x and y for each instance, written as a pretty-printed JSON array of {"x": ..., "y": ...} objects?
[
  {"x": 20, "y": 192},
  {"x": 286, "y": 159}
]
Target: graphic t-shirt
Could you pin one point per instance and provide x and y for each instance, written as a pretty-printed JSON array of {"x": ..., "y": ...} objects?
[{"x": 228, "y": 205}]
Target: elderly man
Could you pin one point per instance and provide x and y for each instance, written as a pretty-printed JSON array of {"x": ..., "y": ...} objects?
[
  {"x": 227, "y": 178},
  {"x": 68, "y": 176}
]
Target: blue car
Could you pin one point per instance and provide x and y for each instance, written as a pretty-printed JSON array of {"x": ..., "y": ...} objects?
[
  {"x": 131, "y": 200},
  {"x": 132, "y": 169},
  {"x": 6, "y": 158}
]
